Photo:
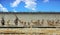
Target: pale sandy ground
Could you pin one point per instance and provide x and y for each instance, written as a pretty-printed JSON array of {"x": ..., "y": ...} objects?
[
  {"x": 28, "y": 18},
  {"x": 30, "y": 31}
]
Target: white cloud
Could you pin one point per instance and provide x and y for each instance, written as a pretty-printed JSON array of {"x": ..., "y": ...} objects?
[
  {"x": 15, "y": 3},
  {"x": 3, "y": 9},
  {"x": 45, "y": 0},
  {"x": 30, "y": 4}
]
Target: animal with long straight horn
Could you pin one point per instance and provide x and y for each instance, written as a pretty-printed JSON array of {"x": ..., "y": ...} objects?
[
  {"x": 3, "y": 21},
  {"x": 16, "y": 20},
  {"x": 8, "y": 22}
]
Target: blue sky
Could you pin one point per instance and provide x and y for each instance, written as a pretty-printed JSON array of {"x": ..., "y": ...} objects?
[{"x": 30, "y": 5}]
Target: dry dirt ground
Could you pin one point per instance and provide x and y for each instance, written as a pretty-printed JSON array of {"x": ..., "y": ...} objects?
[{"x": 29, "y": 31}]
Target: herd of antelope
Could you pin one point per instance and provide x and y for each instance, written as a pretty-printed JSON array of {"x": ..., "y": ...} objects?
[{"x": 33, "y": 22}]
